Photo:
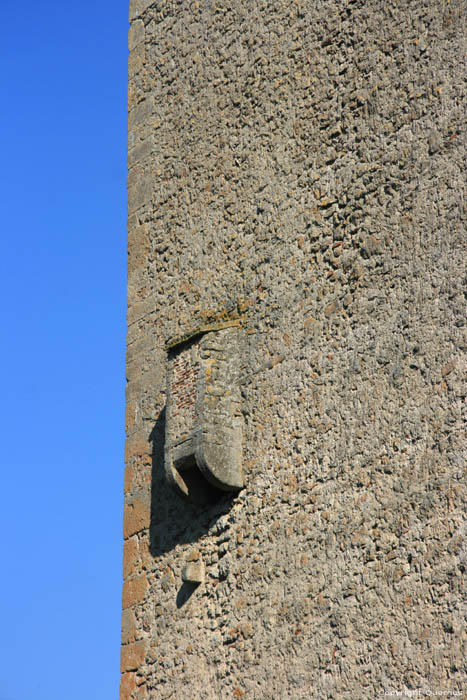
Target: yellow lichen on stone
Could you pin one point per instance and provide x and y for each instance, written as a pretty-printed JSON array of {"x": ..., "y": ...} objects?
[{"x": 212, "y": 320}]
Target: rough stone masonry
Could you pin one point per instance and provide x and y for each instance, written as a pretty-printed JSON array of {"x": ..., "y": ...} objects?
[{"x": 302, "y": 161}]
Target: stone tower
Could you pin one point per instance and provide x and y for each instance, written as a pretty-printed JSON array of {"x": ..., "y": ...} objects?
[{"x": 296, "y": 330}]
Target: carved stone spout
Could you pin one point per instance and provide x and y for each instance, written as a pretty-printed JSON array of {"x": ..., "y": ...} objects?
[{"x": 203, "y": 452}]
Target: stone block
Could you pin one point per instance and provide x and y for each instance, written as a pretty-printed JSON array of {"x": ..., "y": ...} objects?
[
  {"x": 132, "y": 656},
  {"x": 130, "y": 557},
  {"x": 135, "y": 33},
  {"x": 129, "y": 629},
  {"x": 138, "y": 7},
  {"x": 134, "y": 591},
  {"x": 127, "y": 686},
  {"x": 136, "y": 516},
  {"x": 194, "y": 569},
  {"x": 137, "y": 445}
]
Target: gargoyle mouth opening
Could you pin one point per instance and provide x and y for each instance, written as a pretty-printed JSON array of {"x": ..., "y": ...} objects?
[{"x": 196, "y": 488}]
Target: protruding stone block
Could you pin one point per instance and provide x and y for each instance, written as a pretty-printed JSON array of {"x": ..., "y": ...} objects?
[
  {"x": 203, "y": 451},
  {"x": 194, "y": 570}
]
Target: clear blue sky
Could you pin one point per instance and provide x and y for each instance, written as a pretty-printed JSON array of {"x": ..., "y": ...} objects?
[{"x": 63, "y": 261}]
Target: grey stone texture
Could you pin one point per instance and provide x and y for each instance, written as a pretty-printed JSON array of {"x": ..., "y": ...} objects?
[{"x": 306, "y": 158}]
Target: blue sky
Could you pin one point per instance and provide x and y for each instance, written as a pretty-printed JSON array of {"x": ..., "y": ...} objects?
[{"x": 63, "y": 261}]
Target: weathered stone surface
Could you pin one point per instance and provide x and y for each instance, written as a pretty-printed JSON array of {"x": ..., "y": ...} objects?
[
  {"x": 134, "y": 591},
  {"x": 130, "y": 557},
  {"x": 137, "y": 7},
  {"x": 193, "y": 571},
  {"x": 136, "y": 516},
  {"x": 127, "y": 686},
  {"x": 307, "y": 157},
  {"x": 132, "y": 656},
  {"x": 129, "y": 626},
  {"x": 203, "y": 434}
]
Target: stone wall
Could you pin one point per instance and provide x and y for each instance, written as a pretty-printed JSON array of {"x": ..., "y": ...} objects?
[{"x": 303, "y": 161}]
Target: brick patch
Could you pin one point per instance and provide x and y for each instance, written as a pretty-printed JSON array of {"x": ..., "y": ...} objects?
[{"x": 183, "y": 389}]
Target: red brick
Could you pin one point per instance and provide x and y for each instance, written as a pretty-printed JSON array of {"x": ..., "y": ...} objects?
[
  {"x": 134, "y": 591},
  {"x": 132, "y": 656}
]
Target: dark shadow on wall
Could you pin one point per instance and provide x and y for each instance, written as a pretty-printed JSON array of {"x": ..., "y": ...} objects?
[
  {"x": 174, "y": 521},
  {"x": 185, "y": 592}
]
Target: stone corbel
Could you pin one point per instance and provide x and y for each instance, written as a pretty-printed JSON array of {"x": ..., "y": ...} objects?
[{"x": 203, "y": 441}]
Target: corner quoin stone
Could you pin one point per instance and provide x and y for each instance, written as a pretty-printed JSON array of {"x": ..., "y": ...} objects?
[
  {"x": 134, "y": 591},
  {"x": 132, "y": 656},
  {"x": 136, "y": 516},
  {"x": 127, "y": 685}
]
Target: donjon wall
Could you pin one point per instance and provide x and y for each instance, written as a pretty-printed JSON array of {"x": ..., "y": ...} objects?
[{"x": 298, "y": 167}]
